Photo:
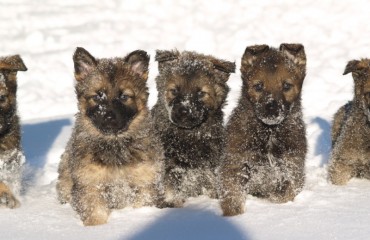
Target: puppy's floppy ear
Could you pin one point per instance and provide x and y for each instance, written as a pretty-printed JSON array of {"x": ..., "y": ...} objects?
[
  {"x": 139, "y": 62},
  {"x": 12, "y": 63},
  {"x": 223, "y": 66},
  {"x": 164, "y": 57},
  {"x": 294, "y": 52},
  {"x": 251, "y": 53},
  {"x": 84, "y": 63},
  {"x": 354, "y": 66}
]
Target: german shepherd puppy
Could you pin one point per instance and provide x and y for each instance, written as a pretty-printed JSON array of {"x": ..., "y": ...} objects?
[
  {"x": 266, "y": 137},
  {"x": 11, "y": 156},
  {"x": 188, "y": 118},
  {"x": 113, "y": 158},
  {"x": 351, "y": 129}
]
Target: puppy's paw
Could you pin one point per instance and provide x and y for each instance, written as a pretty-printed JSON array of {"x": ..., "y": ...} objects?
[
  {"x": 231, "y": 207},
  {"x": 96, "y": 218},
  {"x": 340, "y": 174},
  {"x": 8, "y": 200}
]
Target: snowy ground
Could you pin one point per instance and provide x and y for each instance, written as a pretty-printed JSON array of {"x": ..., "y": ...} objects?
[{"x": 46, "y": 33}]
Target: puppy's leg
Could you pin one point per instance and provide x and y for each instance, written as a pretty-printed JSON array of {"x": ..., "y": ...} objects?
[
  {"x": 64, "y": 183},
  {"x": 339, "y": 173},
  {"x": 292, "y": 179},
  {"x": 89, "y": 203},
  {"x": 7, "y": 198},
  {"x": 232, "y": 194}
]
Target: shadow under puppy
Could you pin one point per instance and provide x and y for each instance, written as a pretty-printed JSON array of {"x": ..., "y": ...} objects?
[
  {"x": 188, "y": 117},
  {"x": 11, "y": 156},
  {"x": 113, "y": 158},
  {"x": 266, "y": 137},
  {"x": 351, "y": 129}
]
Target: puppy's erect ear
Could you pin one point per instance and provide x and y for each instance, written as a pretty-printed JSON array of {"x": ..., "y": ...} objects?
[
  {"x": 84, "y": 63},
  {"x": 164, "y": 57},
  {"x": 12, "y": 63},
  {"x": 294, "y": 52},
  {"x": 251, "y": 53},
  {"x": 223, "y": 66},
  {"x": 355, "y": 66},
  {"x": 139, "y": 62}
]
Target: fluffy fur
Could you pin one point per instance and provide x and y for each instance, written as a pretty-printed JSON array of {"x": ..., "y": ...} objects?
[
  {"x": 113, "y": 158},
  {"x": 11, "y": 156},
  {"x": 351, "y": 129},
  {"x": 188, "y": 118},
  {"x": 266, "y": 143}
]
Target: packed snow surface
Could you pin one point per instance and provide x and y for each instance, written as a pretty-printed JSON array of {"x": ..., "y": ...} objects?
[{"x": 46, "y": 33}]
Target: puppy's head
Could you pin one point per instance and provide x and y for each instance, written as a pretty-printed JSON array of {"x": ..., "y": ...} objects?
[
  {"x": 361, "y": 75},
  {"x": 272, "y": 79},
  {"x": 9, "y": 66},
  {"x": 111, "y": 93},
  {"x": 192, "y": 86}
]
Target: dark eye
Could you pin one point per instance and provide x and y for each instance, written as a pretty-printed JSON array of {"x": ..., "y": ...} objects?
[
  {"x": 201, "y": 94},
  {"x": 287, "y": 86},
  {"x": 124, "y": 97},
  {"x": 2, "y": 98},
  {"x": 174, "y": 91},
  {"x": 258, "y": 87}
]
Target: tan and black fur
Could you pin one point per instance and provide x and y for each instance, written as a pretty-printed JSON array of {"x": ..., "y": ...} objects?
[
  {"x": 11, "y": 156},
  {"x": 266, "y": 138},
  {"x": 188, "y": 118},
  {"x": 351, "y": 129},
  {"x": 113, "y": 158}
]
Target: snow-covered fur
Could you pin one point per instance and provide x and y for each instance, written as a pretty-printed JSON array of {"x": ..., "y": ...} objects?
[
  {"x": 113, "y": 159},
  {"x": 351, "y": 129},
  {"x": 188, "y": 118},
  {"x": 11, "y": 156},
  {"x": 266, "y": 138}
]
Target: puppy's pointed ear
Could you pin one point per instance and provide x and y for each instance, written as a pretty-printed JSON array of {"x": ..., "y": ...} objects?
[
  {"x": 139, "y": 62},
  {"x": 12, "y": 63},
  {"x": 294, "y": 52},
  {"x": 164, "y": 57},
  {"x": 354, "y": 66},
  {"x": 251, "y": 53},
  {"x": 84, "y": 63},
  {"x": 223, "y": 66}
]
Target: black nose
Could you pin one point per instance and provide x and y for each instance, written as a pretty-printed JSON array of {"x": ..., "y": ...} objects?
[
  {"x": 184, "y": 111},
  {"x": 271, "y": 106},
  {"x": 110, "y": 116}
]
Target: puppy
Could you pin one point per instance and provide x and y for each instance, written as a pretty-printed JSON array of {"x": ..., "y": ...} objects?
[
  {"x": 351, "y": 129},
  {"x": 266, "y": 137},
  {"x": 113, "y": 158},
  {"x": 188, "y": 118},
  {"x": 11, "y": 156}
]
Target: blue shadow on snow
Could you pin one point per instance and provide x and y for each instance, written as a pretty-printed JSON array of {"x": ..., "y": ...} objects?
[
  {"x": 38, "y": 138},
  {"x": 323, "y": 142},
  {"x": 194, "y": 224}
]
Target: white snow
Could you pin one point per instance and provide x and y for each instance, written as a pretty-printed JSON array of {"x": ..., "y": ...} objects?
[{"x": 46, "y": 33}]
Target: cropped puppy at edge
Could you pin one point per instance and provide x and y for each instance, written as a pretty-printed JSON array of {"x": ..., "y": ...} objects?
[
  {"x": 11, "y": 156},
  {"x": 266, "y": 138},
  {"x": 113, "y": 158},
  {"x": 188, "y": 118},
  {"x": 351, "y": 129}
]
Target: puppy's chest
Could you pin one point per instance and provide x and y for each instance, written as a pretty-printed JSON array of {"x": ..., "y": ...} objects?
[
  {"x": 192, "y": 150},
  {"x": 269, "y": 148}
]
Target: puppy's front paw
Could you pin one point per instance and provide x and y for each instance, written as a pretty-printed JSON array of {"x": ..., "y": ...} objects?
[
  {"x": 8, "y": 200},
  {"x": 232, "y": 207}
]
